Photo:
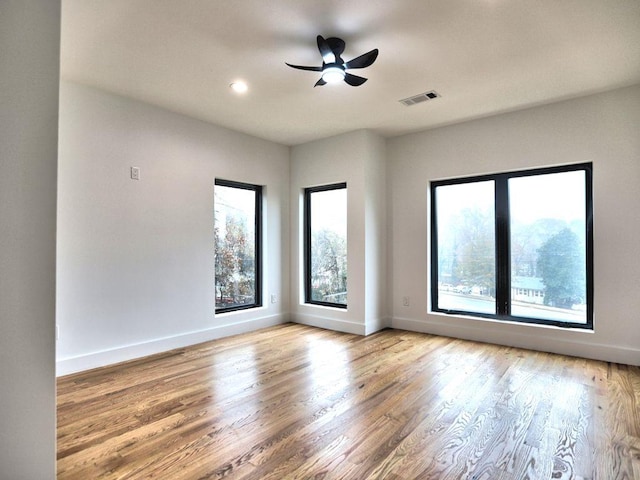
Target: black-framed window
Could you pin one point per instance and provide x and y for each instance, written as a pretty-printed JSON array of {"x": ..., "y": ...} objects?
[
  {"x": 238, "y": 245},
  {"x": 325, "y": 245},
  {"x": 515, "y": 246}
]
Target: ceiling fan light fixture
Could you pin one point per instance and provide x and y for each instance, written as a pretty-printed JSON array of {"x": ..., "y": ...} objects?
[
  {"x": 333, "y": 69},
  {"x": 333, "y": 74}
]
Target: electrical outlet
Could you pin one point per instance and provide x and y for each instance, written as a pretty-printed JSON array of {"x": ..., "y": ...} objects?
[
  {"x": 135, "y": 173},
  {"x": 406, "y": 301},
  {"x": 274, "y": 298}
]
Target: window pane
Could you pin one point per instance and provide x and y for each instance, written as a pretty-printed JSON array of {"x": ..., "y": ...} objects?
[
  {"x": 548, "y": 238},
  {"x": 466, "y": 247},
  {"x": 328, "y": 246},
  {"x": 235, "y": 243}
]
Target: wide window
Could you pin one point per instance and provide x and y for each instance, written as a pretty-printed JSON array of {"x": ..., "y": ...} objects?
[
  {"x": 237, "y": 226},
  {"x": 325, "y": 223},
  {"x": 515, "y": 246}
]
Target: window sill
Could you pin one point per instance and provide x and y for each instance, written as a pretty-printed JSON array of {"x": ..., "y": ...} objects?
[{"x": 459, "y": 317}]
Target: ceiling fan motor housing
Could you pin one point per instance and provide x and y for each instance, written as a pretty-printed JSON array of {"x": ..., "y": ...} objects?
[{"x": 333, "y": 67}]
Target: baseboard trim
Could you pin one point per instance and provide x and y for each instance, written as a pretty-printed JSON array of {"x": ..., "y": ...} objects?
[
  {"x": 576, "y": 348},
  {"x": 103, "y": 358},
  {"x": 329, "y": 323},
  {"x": 376, "y": 325}
]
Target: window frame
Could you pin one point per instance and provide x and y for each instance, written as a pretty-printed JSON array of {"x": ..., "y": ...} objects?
[
  {"x": 257, "y": 189},
  {"x": 502, "y": 245},
  {"x": 307, "y": 243}
]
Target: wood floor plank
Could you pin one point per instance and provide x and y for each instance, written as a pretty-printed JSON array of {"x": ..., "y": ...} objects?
[{"x": 293, "y": 402}]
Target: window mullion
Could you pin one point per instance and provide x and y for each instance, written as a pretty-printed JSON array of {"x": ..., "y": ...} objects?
[{"x": 503, "y": 268}]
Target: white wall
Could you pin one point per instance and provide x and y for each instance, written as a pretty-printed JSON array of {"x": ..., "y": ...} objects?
[
  {"x": 29, "y": 59},
  {"x": 602, "y": 129},
  {"x": 136, "y": 258},
  {"x": 358, "y": 159},
  {"x": 375, "y": 245}
]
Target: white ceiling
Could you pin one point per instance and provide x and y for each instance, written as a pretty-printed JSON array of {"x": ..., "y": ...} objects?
[{"x": 482, "y": 56}]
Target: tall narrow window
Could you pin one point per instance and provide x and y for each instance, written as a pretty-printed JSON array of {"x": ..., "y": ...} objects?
[
  {"x": 325, "y": 223},
  {"x": 515, "y": 246},
  {"x": 237, "y": 226}
]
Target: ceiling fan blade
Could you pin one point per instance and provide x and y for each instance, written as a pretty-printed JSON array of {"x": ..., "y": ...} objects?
[
  {"x": 337, "y": 47},
  {"x": 302, "y": 67},
  {"x": 325, "y": 50},
  {"x": 320, "y": 82},
  {"x": 363, "y": 60},
  {"x": 354, "y": 80}
]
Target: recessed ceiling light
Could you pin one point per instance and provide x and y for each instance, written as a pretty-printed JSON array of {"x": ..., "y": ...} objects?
[{"x": 239, "y": 87}]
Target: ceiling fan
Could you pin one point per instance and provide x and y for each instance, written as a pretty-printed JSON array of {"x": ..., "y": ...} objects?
[{"x": 333, "y": 67}]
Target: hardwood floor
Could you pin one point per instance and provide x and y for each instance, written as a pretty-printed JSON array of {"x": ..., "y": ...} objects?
[{"x": 298, "y": 402}]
